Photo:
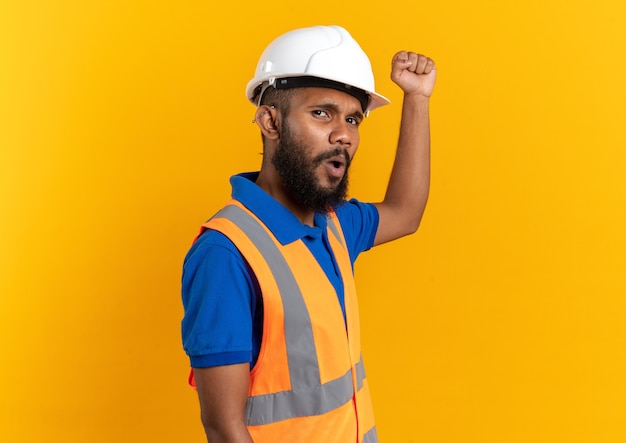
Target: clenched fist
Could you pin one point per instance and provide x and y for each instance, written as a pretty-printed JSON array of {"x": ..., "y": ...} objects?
[{"x": 414, "y": 73}]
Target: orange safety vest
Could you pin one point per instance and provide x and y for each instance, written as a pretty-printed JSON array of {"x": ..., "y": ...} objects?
[{"x": 308, "y": 384}]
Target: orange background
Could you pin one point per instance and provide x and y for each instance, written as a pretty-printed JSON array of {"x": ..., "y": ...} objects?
[{"x": 502, "y": 320}]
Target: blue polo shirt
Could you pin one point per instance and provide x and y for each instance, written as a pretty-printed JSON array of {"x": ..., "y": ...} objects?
[{"x": 223, "y": 320}]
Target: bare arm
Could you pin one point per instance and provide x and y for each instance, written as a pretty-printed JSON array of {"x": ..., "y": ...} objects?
[
  {"x": 407, "y": 192},
  {"x": 223, "y": 391}
]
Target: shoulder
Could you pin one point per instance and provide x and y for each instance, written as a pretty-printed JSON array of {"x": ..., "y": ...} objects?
[
  {"x": 210, "y": 243},
  {"x": 359, "y": 222},
  {"x": 213, "y": 256},
  {"x": 354, "y": 213}
]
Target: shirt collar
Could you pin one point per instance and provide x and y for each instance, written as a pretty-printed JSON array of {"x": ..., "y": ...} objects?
[{"x": 278, "y": 219}]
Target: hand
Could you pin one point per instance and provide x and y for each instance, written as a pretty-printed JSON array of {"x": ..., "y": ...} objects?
[{"x": 414, "y": 73}]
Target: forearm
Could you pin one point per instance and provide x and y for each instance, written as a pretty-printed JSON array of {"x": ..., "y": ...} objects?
[
  {"x": 226, "y": 432},
  {"x": 409, "y": 184},
  {"x": 407, "y": 192},
  {"x": 223, "y": 392}
]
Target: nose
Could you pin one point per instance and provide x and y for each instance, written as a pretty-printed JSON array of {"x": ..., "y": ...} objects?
[{"x": 344, "y": 134}]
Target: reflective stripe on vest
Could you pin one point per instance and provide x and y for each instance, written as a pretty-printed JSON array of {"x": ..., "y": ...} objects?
[
  {"x": 307, "y": 396},
  {"x": 370, "y": 436}
]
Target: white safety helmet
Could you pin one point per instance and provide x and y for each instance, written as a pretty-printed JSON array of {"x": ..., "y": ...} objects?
[{"x": 320, "y": 56}]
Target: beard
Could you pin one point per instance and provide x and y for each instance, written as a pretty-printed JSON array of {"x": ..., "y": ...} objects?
[{"x": 297, "y": 172}]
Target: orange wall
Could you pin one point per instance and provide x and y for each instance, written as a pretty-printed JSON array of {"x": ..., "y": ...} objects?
[{"x": 502, "y": 320}]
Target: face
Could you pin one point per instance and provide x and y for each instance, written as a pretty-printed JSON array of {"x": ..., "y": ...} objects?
[{"x": 317, "y": 142}]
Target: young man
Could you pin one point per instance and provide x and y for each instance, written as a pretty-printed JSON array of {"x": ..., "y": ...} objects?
[{"x": 271, "y": 319}]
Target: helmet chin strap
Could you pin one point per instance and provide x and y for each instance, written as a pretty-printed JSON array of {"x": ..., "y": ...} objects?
[{"x": 270, "y": 82}]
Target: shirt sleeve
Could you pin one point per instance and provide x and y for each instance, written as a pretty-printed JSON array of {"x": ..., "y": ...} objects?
[
  {"x": 218, "y": 300},
  {"x": 359, "y": 222}
]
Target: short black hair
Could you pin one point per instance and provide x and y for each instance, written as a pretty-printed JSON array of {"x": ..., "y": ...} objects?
[{"x": 280, "y": 98}]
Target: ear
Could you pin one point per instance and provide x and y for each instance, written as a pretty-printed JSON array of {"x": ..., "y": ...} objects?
[{"x": 267, "y": 120}]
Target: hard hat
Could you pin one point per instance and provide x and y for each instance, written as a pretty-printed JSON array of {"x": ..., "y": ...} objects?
[{"x": 320, "y": 56}]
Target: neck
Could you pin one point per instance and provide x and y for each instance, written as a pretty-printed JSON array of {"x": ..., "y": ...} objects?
[{"x": 271, "y": 184}]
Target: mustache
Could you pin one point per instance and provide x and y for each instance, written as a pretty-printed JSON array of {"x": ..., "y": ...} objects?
[{"x": 333, "y": 153}]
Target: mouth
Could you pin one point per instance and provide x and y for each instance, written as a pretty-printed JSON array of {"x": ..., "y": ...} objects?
[
  {"x": 336, "y": 166},
  {"x": 335, "y": 162}
]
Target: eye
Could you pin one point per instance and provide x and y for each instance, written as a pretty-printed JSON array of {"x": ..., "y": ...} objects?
[
  {"x": 353, "y": 121},
  {"x": 320, "y": 113}
]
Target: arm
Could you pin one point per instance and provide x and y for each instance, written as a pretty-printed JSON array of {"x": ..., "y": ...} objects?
[
  {"x": 223, "y": 391},
  {"x": 407, "y": 192},
  {"x": 218, "y": 297}
]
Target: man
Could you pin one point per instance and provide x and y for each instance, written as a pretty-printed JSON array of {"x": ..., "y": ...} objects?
[{"x": 271, "y": 321}]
